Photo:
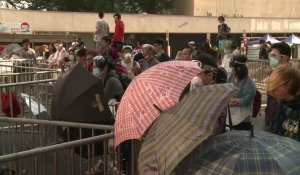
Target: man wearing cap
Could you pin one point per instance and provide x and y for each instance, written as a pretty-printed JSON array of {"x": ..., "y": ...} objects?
[
  {"x": 161, "y": 56},
  {"x": 192, "y": 45}
]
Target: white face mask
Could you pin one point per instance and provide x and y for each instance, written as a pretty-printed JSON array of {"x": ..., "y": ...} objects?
[
  {"x": 196, "y": 82},
  {"x": 71, "y": 57}
]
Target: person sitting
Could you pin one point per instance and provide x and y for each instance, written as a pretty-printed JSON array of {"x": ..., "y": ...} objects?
[
  {"x": 161, "y": 56},
  {"x": 241, "y": 105},
  {"x": 149, "y": 59},
  {"x": 113, "y": 88},
  {"x": 107, "y": 50},
  {"x": 284, "y": 85},
  {"x": 127, "y": 61},
  {"x": 80, "y": 57}
]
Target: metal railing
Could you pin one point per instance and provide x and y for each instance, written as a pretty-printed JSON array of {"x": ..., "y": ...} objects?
[
  {"x": 27, "y": 76},
  {"x": 40, "y": 147},
  {"x": 32, "y": 99},
  {"x": 260, "y": 69}
]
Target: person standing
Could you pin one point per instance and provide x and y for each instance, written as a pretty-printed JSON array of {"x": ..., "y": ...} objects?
[
  {"x": 118, "y": 37},
  {"x": 223, "y": 31},
  {"x": 102, "y": 30},
  {"x": 25, "y": 52},
  {"x": 263, "y": 50}
]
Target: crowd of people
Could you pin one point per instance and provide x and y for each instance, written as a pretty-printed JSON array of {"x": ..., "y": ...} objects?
[{"x": 117, "y": 63}]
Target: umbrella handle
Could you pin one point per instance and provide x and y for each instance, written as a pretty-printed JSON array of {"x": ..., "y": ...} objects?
[
  {"x": 229, "y": 118},
  {"x": 252, "y": 131}
]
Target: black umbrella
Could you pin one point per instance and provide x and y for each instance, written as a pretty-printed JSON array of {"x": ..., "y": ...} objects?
[{"x": 78, "y": 97}]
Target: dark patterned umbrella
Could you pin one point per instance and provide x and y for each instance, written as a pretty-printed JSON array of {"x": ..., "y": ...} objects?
[
  {"x": 177, "y": 131},
  {"x": 236, "y": 153}
]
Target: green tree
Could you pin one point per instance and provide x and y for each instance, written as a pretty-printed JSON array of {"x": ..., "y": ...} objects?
[{"x": 122, "y": 6}]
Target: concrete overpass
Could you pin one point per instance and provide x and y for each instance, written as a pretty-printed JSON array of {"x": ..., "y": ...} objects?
[
  {"x": 181, "y": 28},
  {"x": 45, "y": 21}
]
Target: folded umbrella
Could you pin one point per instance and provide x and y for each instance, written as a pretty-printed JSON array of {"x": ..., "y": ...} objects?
[
  {"x": 156, "y": 89},
  {"x": 236, "y": 152},
  {"x": 177, "y": 131},
  {"x": 78, "y": 97}
]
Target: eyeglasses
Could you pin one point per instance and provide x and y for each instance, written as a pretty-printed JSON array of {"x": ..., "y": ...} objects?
[{"x": 275, "y": 55}]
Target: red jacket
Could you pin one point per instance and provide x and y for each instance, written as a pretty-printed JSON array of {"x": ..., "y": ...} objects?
[{"x": 119, "y": 31}]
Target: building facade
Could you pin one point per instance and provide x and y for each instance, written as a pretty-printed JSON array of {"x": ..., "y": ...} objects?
[{"x": 239, "y": 8}]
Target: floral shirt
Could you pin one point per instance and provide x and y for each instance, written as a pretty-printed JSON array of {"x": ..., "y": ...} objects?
[{"x": 286, "y": 122}]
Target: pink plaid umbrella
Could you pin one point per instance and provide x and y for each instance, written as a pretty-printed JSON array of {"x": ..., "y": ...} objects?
[{"x": 156, "y": 89}]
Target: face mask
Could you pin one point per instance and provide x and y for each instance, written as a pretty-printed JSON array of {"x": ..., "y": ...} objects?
[
  {"x": 227, "y": 51},
  {"x": 71, "y": 57},
  {"x": 273, "y": 62},
  {"x": 96, "y": 72},
  {"x": 196, "y": 82}
]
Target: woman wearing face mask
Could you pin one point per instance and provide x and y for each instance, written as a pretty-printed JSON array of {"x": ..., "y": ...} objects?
[
  {"x": 207, "y": 77},
  {"x": 284, "y": 85},
  {"x": 59, "y": 55},
  {"x": 241, "y": 105}
]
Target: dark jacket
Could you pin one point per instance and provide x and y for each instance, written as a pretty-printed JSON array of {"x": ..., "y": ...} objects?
[
  {"x": 263, "y": 53},
  {"x": 162, "y": 57},
  {"x": 112, "y": 86},
  {"x": 288, "y": 118}
]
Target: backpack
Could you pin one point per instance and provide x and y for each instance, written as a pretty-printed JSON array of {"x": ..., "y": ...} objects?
[
  {"x": 226, "y": 28},
  {"x": 123, "y": 77}
]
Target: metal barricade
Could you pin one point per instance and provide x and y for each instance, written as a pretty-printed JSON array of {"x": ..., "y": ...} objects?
[
  {"x": 41, "y": 147},
  {"x": 11, "y": 68},
  {"x": 32, "y": 99},
  {"x": 258, "y": 71},
  {"x": 6, "y": 78},
  {"x": 295, "y": 63}
]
